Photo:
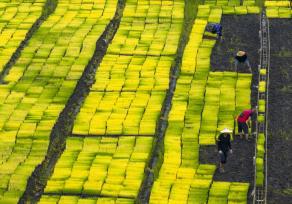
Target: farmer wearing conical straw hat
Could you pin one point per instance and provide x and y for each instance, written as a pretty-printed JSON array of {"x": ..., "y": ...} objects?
[
  {"x": 241, "y": 57},
  {"x": 224, "y": 146}
]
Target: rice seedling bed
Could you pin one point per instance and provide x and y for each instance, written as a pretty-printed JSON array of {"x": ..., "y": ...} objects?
[
  {"x": 236, "y": 38},
  {"x": 182, "y": 177},
  {"x": 101, "y": 166},
  {"x": 127, "y": 96},
  {"x": 119, "y": 113},
  {"x": 112, "y": 137},
  {"x": 16, "y": 19},
  {"x": 63, "y": 199},
  {"x": 151, "y": 28},
  {"x": 39, "y": 85},
  {"x": 278, "y": 9}
]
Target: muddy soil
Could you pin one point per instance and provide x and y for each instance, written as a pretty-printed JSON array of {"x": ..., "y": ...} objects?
[
  {"x": 238, "y": 163},
  {"x": 280, "y": 111},
  {"x": 239, "y": 33}
]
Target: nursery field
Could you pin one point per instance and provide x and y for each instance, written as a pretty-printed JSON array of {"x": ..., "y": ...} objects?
[{"x": 122, "y": 101}]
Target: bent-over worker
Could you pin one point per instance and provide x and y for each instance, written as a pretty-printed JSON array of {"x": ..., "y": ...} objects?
[
  {"x": 224, "y": 146},
  {"x": 242, "y": 120},
  {"x": 241, "y": 57}
]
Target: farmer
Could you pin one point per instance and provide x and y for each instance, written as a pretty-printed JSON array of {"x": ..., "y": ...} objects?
[
  {"x": 241, "y": 57},
  {"x": 242, "y": 120},
  {"x": 224, "y": 146},
  {"x": 215, "y": 28}
]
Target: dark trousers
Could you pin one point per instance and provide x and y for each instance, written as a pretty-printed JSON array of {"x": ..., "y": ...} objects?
[
  {"x": 242, "y": 127},
  {"x": 246, "y": 62},
  {"x": 223, "y": 157}
]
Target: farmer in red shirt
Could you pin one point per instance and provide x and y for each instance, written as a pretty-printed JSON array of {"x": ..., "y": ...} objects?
[{"x": 242, "y": 120}]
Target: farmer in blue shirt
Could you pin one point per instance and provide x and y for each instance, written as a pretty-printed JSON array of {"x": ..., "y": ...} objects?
[{"x": 217, "y": 28}]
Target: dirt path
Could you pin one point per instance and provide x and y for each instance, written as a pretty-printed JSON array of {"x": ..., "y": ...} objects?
[
  {"x": 239, "y": 33},
  {"x": 280, "y": 111},
  {"x": 239, "y": 167}
]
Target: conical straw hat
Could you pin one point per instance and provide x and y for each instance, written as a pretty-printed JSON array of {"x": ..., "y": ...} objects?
[
  {"x": 226, "y": 130},
  {"x": 240, "y": 53}
]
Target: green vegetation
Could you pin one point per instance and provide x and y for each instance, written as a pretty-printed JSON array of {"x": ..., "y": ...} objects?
[
  {"x": 200, "y": 95},
  {"x": 76, "y": 199},
  {"x": 124, "y": 104},
  {"x": 103, "y": 166},
  {"x": 17, "y": 18},
  {"x": 38, "y": 86},
  {"x": 114, "y": 133}
]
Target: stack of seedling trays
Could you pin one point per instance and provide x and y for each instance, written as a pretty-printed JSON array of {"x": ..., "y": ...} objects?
[
  {"x": 260, "y": 148},
  {"x": 119, "y": 113},
  {"x": 133, "y": 73},
  {"x": 79, "y": 200},
  {"x": 39, "y": 85},
  {"x": 15, "y": 21},
  {"x": 226, "y": 192},
  {"x": 180, "y": 171},
  {"x": 101, "y": 166},
  {"x": 226, "y": 95},
  {"x": 204, "y": 103},
  {"x": 278, "y": 9}
]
